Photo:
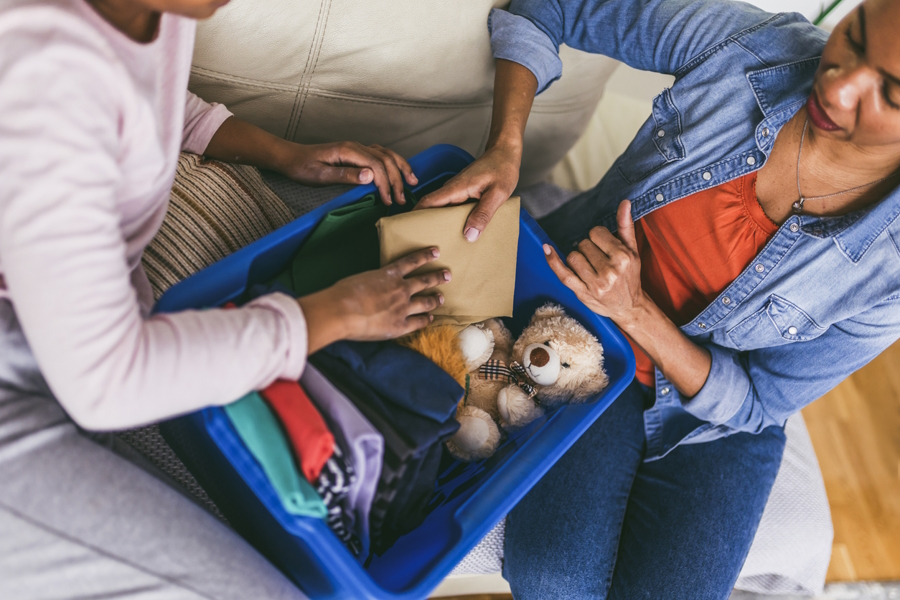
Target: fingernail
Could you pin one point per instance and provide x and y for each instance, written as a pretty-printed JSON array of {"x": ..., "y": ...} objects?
[
  {"x": 430, "y": 318},
  {"x": 440, "y": 299},
  {"x": 547, "y": 249},
  {"x": 471, "y": 234},
  {"x": 435, "y": 252},
  {"x": 446, "y": 275},
  {"x": 365, "y": 176},
  {"x": 402, "y": 198},
  {"x": 413, "y": 179}
]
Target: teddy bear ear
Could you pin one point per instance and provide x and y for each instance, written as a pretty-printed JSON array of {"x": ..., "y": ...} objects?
[{"x": 548, "y": 310}]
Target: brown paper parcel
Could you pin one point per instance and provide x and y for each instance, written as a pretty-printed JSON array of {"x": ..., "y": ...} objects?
[{"x": 484, "y": 272}]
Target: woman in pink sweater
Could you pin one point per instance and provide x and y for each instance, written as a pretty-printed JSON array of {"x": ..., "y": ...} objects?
[{"x": 94, "y": 111}]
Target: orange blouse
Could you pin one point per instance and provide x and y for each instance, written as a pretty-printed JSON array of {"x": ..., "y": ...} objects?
[{"x": 694, "y": 248}]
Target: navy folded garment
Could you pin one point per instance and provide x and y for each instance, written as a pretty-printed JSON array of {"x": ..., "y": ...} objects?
[
  {"x": 412, "y": 402},
  {"x": 401, "y": 376}
]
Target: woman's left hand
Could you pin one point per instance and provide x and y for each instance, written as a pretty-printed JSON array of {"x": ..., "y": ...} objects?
[
  {"x": 349, "y": 163},
  {"x": 605, "y": 271}
]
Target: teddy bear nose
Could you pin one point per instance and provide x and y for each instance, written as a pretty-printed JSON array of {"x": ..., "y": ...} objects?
[
  {"x": 539, "y": 357},
  {"x": 542, "y": 364}
]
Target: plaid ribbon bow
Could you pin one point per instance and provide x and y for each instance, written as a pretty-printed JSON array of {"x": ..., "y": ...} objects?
[{"x": 515, "y": 373}]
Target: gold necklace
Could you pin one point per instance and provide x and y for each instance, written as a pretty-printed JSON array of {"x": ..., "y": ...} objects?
[{"x": 797, "y": 206}]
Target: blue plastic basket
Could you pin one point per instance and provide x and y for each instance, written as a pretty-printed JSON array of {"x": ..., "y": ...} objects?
[{"x": 469, "y": 499}]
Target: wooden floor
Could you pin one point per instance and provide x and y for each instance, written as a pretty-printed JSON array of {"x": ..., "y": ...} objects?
[{"x": 856, "y": 433}]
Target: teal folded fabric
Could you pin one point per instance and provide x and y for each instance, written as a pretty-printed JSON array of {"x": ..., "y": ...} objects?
[{"x": 259, "y": 430}]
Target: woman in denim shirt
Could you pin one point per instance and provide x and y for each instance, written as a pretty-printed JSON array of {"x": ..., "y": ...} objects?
[{"x": 662, "y": 497}]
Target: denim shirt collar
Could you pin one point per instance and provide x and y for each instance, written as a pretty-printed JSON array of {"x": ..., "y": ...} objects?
[{"x": 779, "y": 99}]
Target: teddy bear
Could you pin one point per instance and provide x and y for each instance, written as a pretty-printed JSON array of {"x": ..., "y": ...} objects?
[{"x": 510, "y": 383}]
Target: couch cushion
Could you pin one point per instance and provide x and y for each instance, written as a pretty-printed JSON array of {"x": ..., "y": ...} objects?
[
  {"x": 214, "y": 209},
  {"x": 406, "y": 74}
]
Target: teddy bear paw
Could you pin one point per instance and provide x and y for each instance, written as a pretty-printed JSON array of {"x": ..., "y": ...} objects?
[
  {"x": 476, "y": 344},
  {"x": 516, "y": 408},
  {"x": 478, "y": 436}
]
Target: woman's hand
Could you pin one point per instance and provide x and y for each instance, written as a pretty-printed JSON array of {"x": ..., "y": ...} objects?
[
  {"x": 605, "y": 271},
  {"x": 349, "y": 163},
  {"x": 491, "y": 180},
  {"x": 375, "y": 305},
  {"x": 493, "y": 177},
  {"x": 605, "y": 274}
]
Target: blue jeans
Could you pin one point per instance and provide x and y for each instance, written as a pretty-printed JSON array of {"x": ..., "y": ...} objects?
[{"x": 604, "y": 524}]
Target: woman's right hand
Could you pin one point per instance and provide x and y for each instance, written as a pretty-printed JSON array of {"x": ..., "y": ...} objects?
[
  {"x": 375, "y": 305},
  {"x": 493, "y": 177},
  {"x": 491, "y": 180}
]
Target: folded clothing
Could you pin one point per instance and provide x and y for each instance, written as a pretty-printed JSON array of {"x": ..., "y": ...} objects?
[
  {"x": 484, "y": 273},
  {"x": 402, "y": 377},
  {"x": 411, "y": 401},
  {"x": 259, "y": 430},
  {"x": 363, "y": 444},
  {"x": 344, "y": 243},
  {"x": 333, "y": 485},
  {"x": 310, "y": 437}
]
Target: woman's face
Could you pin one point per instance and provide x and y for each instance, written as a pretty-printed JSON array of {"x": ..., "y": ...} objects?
[{"x": 856, "y": 92}]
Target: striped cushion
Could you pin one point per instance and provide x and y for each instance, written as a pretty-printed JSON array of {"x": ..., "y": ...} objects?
[{"x": 215, "y": 208}]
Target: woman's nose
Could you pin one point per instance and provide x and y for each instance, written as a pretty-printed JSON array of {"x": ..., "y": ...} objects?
[{"x": 846, "y": 89}]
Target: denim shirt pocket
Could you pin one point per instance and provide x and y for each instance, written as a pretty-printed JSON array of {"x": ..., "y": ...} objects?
[
  {"x": 777, "y": 323},
  {"x": 657, "y": 143}
]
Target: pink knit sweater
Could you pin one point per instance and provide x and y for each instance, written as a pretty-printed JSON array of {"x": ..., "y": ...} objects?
[{"x": 91, "y": 125}]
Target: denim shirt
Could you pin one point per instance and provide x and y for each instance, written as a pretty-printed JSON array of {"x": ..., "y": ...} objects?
[{"x": 823, "y": 297}]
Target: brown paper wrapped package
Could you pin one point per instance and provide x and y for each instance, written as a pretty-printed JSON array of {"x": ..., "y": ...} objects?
[{"x": 484, "y": 272}]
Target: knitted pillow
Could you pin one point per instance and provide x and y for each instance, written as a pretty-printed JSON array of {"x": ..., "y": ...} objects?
[{"x": 215, "y": 208}]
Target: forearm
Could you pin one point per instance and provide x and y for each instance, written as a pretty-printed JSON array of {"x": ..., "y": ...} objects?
[
  {"x": 514, "y": 90},
  {"x": 237, "y": 141},
  {"x": 683, "y": 362}
]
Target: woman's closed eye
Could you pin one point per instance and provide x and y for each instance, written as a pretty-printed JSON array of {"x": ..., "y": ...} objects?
[
  {"x": 888, "y": 88},
  {"x": 857, "y": 47}
]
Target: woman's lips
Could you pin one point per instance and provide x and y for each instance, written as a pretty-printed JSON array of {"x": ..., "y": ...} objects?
[{"x": 818, "y": 116}]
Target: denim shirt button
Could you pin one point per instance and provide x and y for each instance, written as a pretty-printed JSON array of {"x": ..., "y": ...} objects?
[
  {"x": 751, "y": 161},
  {"x": 661, "y": 133},
  {"x": 792, "y": 330},
  {"x": 701, "y": 325},
  {"x": 707, "y": 176},
  {"x": 726, "y": 300},
  {"x": 660, "y": 198},
  {"x": 794, "y": 227},
  {"x": 664, "y": 391},
  {"x": 765, "y": 132},
  {"x": 759, "y": 268}
]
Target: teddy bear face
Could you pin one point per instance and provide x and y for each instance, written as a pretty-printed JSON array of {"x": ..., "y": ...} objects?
[{"x": 561, "y": 357}]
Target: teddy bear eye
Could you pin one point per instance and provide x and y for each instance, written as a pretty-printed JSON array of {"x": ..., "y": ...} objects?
[{"x": 565, "y": 365}]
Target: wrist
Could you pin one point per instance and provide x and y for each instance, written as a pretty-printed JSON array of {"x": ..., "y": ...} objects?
[
  {"x": 285, "y": 156},
  {"x": 325, "y": 320},
  {"x": 506, "y": 141},
  {"x": 637, "y": 315}
]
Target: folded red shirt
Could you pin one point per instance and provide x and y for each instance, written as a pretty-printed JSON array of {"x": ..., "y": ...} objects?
[{"x": 313, "y": 442}]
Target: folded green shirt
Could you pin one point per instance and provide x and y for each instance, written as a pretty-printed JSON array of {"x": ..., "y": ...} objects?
[
  {"x": 259, "y": 430},
  {"x": 344, "y": 243}
]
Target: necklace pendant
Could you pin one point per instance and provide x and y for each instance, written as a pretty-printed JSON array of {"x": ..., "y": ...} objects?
[{"x": 797, "y": 206}]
